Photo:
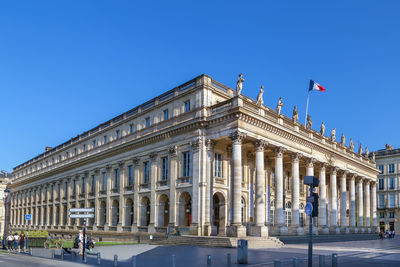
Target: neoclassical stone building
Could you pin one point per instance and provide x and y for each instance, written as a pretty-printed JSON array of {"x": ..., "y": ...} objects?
[{"x": 203, "y": 158}]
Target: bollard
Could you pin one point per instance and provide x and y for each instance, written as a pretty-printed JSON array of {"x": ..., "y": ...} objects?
[
  {"x": 98, "y": 258},
  {"x": 242, "y": 251},
  {"x": 62, "y": 254},
  {"x": 334, "y": 260},
  {"x": 115, "y": 260},
  {"x": 208, "y": 260},
  {"x": 277, "y": 263},
  {"x": 85, "y": 258},
  {"x": 173, "y": 260},
  {"x": 321, "y": 260},
  {"x": 296, "y": 262},
  {"x": 229, "y": 259},
  {"x": 133, "y": 261},
  {"x": 52, "y": 253}
]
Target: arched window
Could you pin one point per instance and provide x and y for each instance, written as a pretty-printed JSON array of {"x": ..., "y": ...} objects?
[
  {"x": 288, "y": 213},
  {"x": 272, "y": 212},
  {"x": 302, "y": 215},
  {"x": 243, "y": 211}
]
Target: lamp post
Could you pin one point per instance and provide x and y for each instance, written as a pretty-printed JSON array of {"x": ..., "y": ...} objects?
[{"x": 6, "y": 192}]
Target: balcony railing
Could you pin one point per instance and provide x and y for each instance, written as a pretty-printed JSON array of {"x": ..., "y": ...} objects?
[
  {"x": 144, "y": 186},
  {"x": 128, "y": 188},
  {"x": 184, "y": 180},
  {"x": 115, "y": 190},
  {"x": 162, "y": 183},
  {"x": 102, "y": 192}
]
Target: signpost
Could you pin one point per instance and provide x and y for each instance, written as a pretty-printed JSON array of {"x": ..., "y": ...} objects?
[
  {"x": 28, "y": 218},
  {"x": 82, "y": 213},
  {"x": 312, "y": 202}
]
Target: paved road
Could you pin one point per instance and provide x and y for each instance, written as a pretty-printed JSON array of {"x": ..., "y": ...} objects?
[
  {"x": 353, "y": 253},
  {"x": 13, "y": 260}
]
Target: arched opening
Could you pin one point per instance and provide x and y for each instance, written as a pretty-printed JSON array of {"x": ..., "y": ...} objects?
[
  {"x": 91, "y": 220},
  {"x": 185, "y": 209},
  {"x": 145, "y": 212},
  {"x": 302, "y": 215},
  {"x": 115, "y": 212},
  {"x": 288, "y": 213},
  {"x": 243, "y": 208},
  {"x": 102, "y": 213},
  {"x": 218, "y": 218},
  {"x": 129, "y": 212},
  {"x": 163, "y": 211}
]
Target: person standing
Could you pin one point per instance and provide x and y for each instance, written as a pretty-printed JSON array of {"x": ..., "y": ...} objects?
[
  {"x": 16, "y": 241},
  {"x": 22, "y": 238},
  {"x": 80, "y": 242},
  {"x": 10, "y": 241}
]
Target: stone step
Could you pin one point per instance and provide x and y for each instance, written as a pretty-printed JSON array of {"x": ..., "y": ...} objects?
[{"x": 327, "y": 238}]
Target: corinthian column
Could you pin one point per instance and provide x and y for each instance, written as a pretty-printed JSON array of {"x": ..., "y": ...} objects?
[
  {"x": 360, "y": 222},
  {"x": 367, "y": 207},
  {"x": 373, "y": 199},
  {"x": 279, "y": 217},
  {"x": 333, "y": 201},
  {"x": 343, "y": 203},
  {"x": 237, "y": 229},
  {"x": 353, "y": 204},
  {"x": 322, "y": 200},
  {"x": 296, "y": 194},
  {"x": 259, "y": 229}
]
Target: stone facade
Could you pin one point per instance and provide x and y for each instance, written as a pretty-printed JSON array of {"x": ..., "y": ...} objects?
[
  {"x": 388, "y": 162},
  {"x": 4, "y": 179},
  {"x": 202, "y": 158}
]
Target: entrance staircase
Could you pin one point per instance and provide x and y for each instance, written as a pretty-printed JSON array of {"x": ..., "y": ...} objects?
[{"x": 220, "y": 241}]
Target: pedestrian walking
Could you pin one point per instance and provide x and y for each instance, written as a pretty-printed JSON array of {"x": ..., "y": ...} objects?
[
  {"x": 22, "y": 239},
  {"x": 16, "y": 242},
  {"x": 10, "y": 242},
  {"x": 79, "y": 242}
]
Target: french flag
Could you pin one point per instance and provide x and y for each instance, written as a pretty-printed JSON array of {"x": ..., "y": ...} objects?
[{"x": 315, "y": 87}]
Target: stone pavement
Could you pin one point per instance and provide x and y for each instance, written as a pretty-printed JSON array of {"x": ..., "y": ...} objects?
[{"x": 353, "y": 253}]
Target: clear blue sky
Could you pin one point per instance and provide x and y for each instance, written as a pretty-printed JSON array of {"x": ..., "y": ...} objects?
[{"x": 66, "y": 66}]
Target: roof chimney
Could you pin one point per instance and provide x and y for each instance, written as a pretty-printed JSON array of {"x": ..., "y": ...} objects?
[{"x": 48, "y": 148}]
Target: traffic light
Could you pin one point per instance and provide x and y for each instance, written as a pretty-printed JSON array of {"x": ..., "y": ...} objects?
[{"x": 315, "y": 205}]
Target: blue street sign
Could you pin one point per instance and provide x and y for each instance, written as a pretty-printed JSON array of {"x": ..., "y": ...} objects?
[
  {"x": 308, "y": 208},
  {"x": 28, "y": 217}
]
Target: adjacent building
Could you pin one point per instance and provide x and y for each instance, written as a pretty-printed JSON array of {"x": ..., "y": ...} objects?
[
  {"x": 388, "y": 162},
  {"x": 5, "y": 177},
  {"x": 201, "y": 157}
]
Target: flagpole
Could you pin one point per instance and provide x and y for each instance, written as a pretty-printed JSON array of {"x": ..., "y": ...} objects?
[{"x": 308, "y": 98}]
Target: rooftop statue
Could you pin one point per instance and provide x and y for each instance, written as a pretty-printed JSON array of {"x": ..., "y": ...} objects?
[
  {"x": 343, "y": 139},
  {"x": 279, "y": 106},
  {"x": 366, "y": 152},
  {"x": 351, "y": 145},
  {"x": 322, "y": 131},
  {"x": 309, "y": 122},
  {"x": 239, "y": 84},
  {"x": 373, "y": 156},
  {"x": 295, "y": 115},
  {"x": 260, "y": 100},
  {"x": 360, "y": 149},
  {"x": 333, "y": 134}
]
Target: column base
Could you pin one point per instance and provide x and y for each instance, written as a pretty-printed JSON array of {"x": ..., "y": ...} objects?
[
  {"x": 315, "y": 230},
  {"x": 344, "y": 230},
  {"x": 195, "y": 229},
  {"x": 207, "y": 230},
  {"x": 94, "y": 227},
  {"x": 354, "y": 230},
  {"x": 362, "y": 230},
  {"x": 368, "y": 230},
  {"x": 134, "y": 228},
  {"x": 151, "y": 228},
  {"x": 281, "y": 229},
  {"x": 236, "y": 231},
  {"x": 261, "y": 231},
  {"x": 334, "y": 230},
  {"x": 106, "y": 228},
  {"x": 324, "y": 230}
]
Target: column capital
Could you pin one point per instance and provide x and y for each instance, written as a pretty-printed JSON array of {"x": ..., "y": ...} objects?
[
  {"x": 296, "y": 157},
  {"x": 260, "y": 144},
  {"x": 360, "y": 179},
  {"x": 237, "y": 137},
  {"x": 310, "y": 162},
  {"x": 323, "y": 165},
  {"x": 210, "y": 144},
  {"x": 334, "y": 169},
  {"x": 136, "y": 160},
  {"x": 279, "y": 151},
  {"x": 153, "y": 155},
  {"x": 344, "y": 172},
  {"x": 196, "y": 144},
  {"x": 173, "y": 151}
]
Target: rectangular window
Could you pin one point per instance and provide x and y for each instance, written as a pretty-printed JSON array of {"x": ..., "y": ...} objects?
[
  {"x": 84, "y": 147},
  {"x": 105, "y": 139},
  {"x": 147, "y": 122},
  {"x": 52, "y": 192},
  {"x": 130, "y": 175},
  {"x": 66, "y": 154},
  {"x": 59, "y": 159},
  {"x": 116, "y": 178},
  {"x": 131, "y": 128},
  {"x": 94, "y": 143},
  {"x": 381, "y": 201},
  {"x": 218, "y": 165},
  {"x": 93, "y": 183},
  {"x": 381, "y": 184},
  {"x": 164, "y": 169},
  {"x": 381, "y": 214},
  {"x": 187, "y": 106},
  {"x": 391, "y": 215},
  {"x": 74, "y": 188},
  {"x": 391, "y": 183},
  {"x": 392, "y": 200},
  {"x": 75, "y": 152},
  {"x": 83, "y": 186},
  {"x": 146, "y": 172},
  {"x": 391, "y": 168},
  {"x": 117, "y": 134},
  {"x": 66, "y": 190},
  {"x": 104, "y": 183},
  {"x": 166, "y": 115},
  {"x": 381, "y": 168},
  {"x": 186, "y": 164}
]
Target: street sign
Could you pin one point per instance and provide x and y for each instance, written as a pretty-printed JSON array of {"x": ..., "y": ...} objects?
[
  {"x": 28, "y": 217},
  {"x": 91, "y": 215},
  {"x": 308, "y": 208},
  {"x": 81, "y": 210},
  {"x": 310, "y": 199}
]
